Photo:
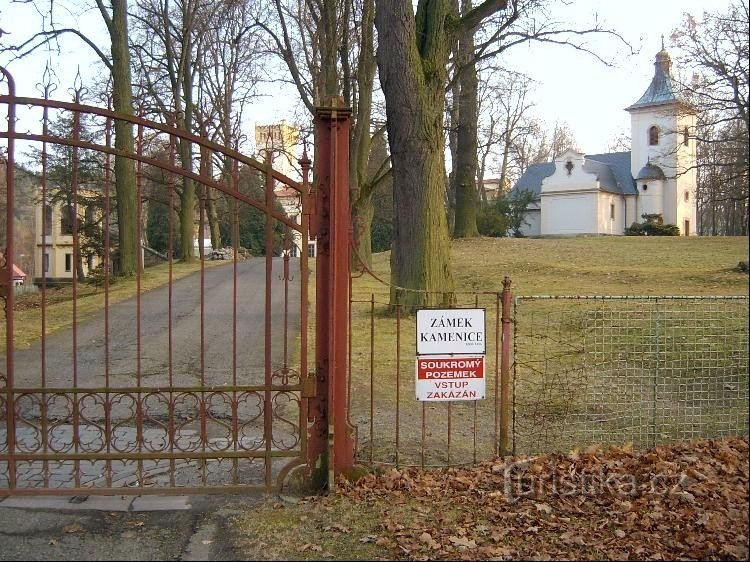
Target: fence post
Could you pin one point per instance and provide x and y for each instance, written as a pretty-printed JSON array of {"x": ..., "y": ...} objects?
[
  {"x": 7, "y": 259},
  {"x": 331, "y": 443},
  {"x": 504, "y": 441}
]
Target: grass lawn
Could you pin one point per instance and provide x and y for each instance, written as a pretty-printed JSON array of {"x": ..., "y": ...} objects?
[
  {"x": 393, "y": 427},
  {"x": 605, "y": 265}
]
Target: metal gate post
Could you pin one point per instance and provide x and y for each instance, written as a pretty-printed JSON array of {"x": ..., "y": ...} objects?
[
  {"x": 331, "y": 438},
  {"x": 6, "y": 281},
  {"x": 504, "y": 445}
]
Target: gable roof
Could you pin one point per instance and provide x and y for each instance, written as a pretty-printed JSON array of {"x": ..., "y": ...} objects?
[{"x": 612, "y": 171}]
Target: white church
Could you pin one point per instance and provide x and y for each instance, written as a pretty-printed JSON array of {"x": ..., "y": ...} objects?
[{"x": 605, "y": 193}]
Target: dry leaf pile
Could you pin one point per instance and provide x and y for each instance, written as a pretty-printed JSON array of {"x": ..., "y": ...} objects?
[{"x": 681, "y": 501}]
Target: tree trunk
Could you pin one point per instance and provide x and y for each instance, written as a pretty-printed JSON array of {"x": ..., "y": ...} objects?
[
  {"x": 188, "y": 196},
  {"x": 361, "y": 197},
  {"x": 413, "y": 76},
  {"x": 125, "y": 188},
  {"x": 187, "y": 203},
  {"x": 465, "y": 224},
  {"x": 363, "y": 209},
  {"x": 450, "y": 196}
]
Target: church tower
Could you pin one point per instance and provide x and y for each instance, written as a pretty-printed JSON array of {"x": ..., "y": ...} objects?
[{"x": 663, "y": 150}]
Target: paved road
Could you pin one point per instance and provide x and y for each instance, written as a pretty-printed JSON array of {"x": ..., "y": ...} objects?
[
  {"x": 186, "y": 366},
  {"x": 122, "y": 527}
]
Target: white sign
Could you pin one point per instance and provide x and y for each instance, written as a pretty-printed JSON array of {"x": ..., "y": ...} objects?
[
  {"x": 444, "y": 378},
  {"x": 441, "y": 331}
]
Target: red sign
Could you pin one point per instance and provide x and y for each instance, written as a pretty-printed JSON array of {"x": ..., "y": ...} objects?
[{"x": 444, "y": 378}]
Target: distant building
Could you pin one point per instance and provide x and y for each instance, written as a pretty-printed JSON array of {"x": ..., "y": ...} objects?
[
  {"x": 19, "y": 277},
  {"x": 53, "y": 234},
  {"x": 606, "y": 193},
  {"x": 493, "y": 190},
  {"x": 283, "y": 141}
]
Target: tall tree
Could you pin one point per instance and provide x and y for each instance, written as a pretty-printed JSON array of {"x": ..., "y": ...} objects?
[
  {"x": 413, "y": 55},
  {"x": 170, "y": 44},
  {"x": 465, "y": 175},
  {"x": 505, "y": 124},
  {"x": 716, "y": 49},
  {"x": 227, "y": 80},
  {"x": 328, "y": 48},
  {"x": 115, "y": 16},
  {"x": 76, "y": 176}
]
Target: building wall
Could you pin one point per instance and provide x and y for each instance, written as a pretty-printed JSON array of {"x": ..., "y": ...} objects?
[
  {"x": 631, "y": 211},
  {"x": 532, "y": 225},
  {"x": 569, "y": 198},
  {"x": 570, "y": 213},
  {"x": 675, "y": 158},
  {"x": 283, "y": 138},
  {"x": 58, "y": 246},
  {"x": 611, "y": 204},
  {"x": 651, "y": 199}
]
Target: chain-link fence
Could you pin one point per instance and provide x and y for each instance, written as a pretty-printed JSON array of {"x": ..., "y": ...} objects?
[{"x": 628, "y": 369}]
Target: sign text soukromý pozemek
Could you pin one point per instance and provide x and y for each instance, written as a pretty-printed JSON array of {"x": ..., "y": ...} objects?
[{"x": 446, "y": 378}]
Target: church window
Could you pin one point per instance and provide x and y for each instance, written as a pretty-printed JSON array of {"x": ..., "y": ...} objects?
[
  {"x": 612, "y": 211},
  {"x": 653, "y": 135},
  {"x": 687, "y": 196},
  {"x": 645, "y": 187},
  {"x": 569, "y": 166},
  {"x": 685, "y": 136}
]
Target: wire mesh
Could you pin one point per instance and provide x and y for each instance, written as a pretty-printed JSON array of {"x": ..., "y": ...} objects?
[
  {"x": 612, "y": 370},
  {"x": 393, "y": 427}
]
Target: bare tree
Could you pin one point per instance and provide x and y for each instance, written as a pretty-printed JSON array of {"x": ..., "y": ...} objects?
[
  {"x": 525, "y": 20},
  {"x": 716, "y": 49},
  {"x": 169, "y": 46},
  {"x": 505, "y": 124},
  {"x": 227, "y": 80},
  {"x": 328, "y": 48},
  {"x": 114, "y": 14}
]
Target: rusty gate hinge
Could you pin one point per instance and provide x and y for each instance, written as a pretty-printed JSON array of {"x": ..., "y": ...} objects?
[{"x": 310, "y": 386}]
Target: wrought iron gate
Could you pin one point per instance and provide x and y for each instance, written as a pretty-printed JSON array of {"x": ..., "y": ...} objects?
[{"x": 201, "y": 384}]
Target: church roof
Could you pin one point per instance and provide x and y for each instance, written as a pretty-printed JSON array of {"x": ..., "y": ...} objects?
[
  {"x": 612, "y": 171},
  {"x": 651, "y": 172},
  {"x": 531, "y": 180},
  {"x": 663, "y": 89}
]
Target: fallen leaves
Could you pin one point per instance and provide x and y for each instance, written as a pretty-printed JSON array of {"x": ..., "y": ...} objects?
[
  {"x": 686, "y": 500},
  {"x": 336, "y": 527},
  {"x": 463, "y": 542}
]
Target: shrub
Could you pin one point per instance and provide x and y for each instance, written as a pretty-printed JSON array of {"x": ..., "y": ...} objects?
[
  {"x": 653, "y": 225},
  {"x": 96, "y": 276},
  {"x": 492, "y": 223},
  {"x": 381, "y": 236}
]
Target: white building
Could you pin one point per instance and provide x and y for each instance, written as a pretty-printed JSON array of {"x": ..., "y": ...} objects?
[
  {"x": 282, "y": 139},
  {"x": 606, "y": 193}
]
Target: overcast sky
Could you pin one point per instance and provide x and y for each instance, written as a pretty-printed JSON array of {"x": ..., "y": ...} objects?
[{"x": 571, "y": 87}]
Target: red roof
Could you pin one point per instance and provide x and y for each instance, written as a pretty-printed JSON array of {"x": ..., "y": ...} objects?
[{"x": 17, "y": 271}]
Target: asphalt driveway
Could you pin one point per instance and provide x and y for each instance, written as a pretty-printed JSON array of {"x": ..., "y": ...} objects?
[{"x": 201, "y": 343}]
